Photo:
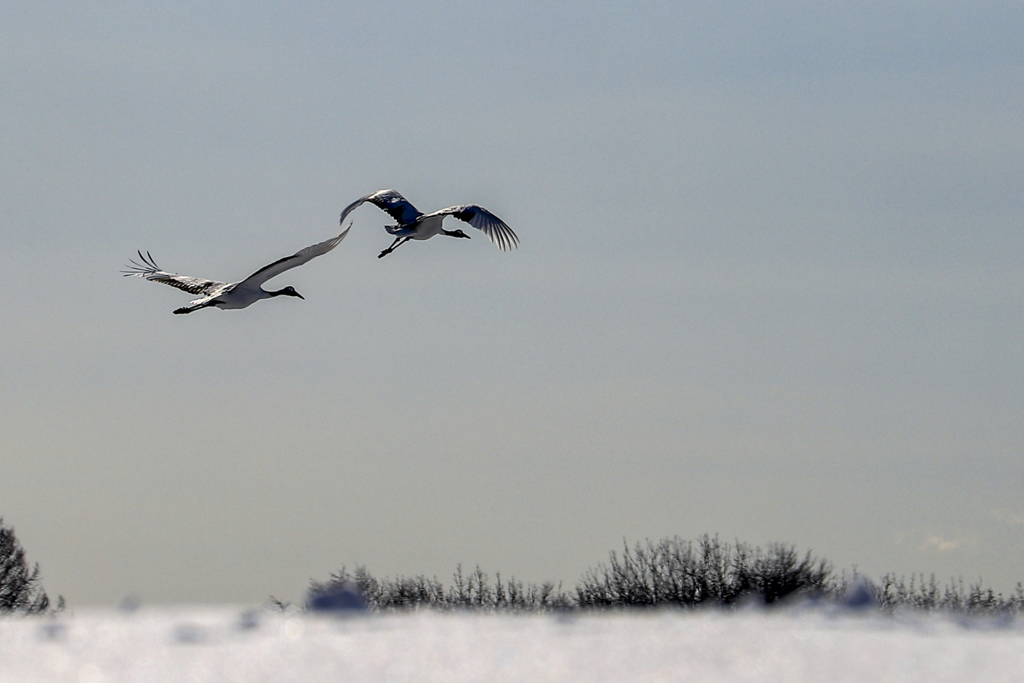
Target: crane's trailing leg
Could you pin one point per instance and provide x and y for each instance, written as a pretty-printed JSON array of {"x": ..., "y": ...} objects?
[
  {"x": 399, "y": 241},
  {"x": 193, "y": 307}
]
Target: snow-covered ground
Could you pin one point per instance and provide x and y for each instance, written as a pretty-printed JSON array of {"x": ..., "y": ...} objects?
[{"x": 225, "y": 644}]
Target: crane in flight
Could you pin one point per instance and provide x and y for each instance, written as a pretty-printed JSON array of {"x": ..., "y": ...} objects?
[
  {"x": 226, "y": 295},
  {"x": 415, "y": 225}
]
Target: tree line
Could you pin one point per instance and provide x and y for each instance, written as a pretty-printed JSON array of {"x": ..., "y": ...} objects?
[{"x": 670, "y": 572}]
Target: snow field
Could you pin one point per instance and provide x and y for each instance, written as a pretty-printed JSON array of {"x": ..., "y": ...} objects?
[{"x": 229, "y": 644}]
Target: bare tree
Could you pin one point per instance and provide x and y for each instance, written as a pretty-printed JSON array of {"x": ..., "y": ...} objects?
[{"x": 20, "y": 589}]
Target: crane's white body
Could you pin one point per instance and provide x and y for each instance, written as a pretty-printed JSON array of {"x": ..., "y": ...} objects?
[
  {"x": 231, "y": 295},
  {"x": 415, "y": 225},
  {"x": 426, "y": 227}
]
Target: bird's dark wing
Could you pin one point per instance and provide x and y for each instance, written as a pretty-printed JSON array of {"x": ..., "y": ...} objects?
[
  {"x": 396, "y": 206},
  {"x": 485, "y": 221},
  {"x": 288, "y": 262},
  {"x": 149, "y": 270}
]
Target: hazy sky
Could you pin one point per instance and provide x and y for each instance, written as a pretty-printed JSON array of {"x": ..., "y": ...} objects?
[{"x": 769, "y": 286}]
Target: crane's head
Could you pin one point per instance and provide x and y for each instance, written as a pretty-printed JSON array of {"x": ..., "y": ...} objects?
[
  {"x": 456, "y": 233},
  {"x": 287, "y": 291}
]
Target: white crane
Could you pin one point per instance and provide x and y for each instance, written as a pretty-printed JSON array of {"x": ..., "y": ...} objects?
[
  {"x": 414, "y": 225},
  {"x": 234, "y": 294}
]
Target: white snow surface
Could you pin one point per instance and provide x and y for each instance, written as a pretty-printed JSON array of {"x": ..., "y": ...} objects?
[{"x": 230, "y": 644}]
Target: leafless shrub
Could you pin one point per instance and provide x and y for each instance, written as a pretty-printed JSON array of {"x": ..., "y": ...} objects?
[
  {"x": 473, "y": 591},
  {"x": 927, "y": 595},
  {"x": 680, "y": 573}
]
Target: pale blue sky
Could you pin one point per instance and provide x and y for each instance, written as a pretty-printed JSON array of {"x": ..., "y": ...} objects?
[{"x": 769, "y": 286}]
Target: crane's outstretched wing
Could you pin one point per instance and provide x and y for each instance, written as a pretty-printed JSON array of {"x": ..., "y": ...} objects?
[
  {"x": 151, "y": 271},
  {"x": 397, "y": 206},
  {"x": 297, "y": 259},
  {"x": 485, "y": 221}
]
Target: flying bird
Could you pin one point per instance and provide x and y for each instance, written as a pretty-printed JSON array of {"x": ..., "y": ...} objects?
[
  {"x": 227, "y": 295},
  {"x": 414, "y": 225}
]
